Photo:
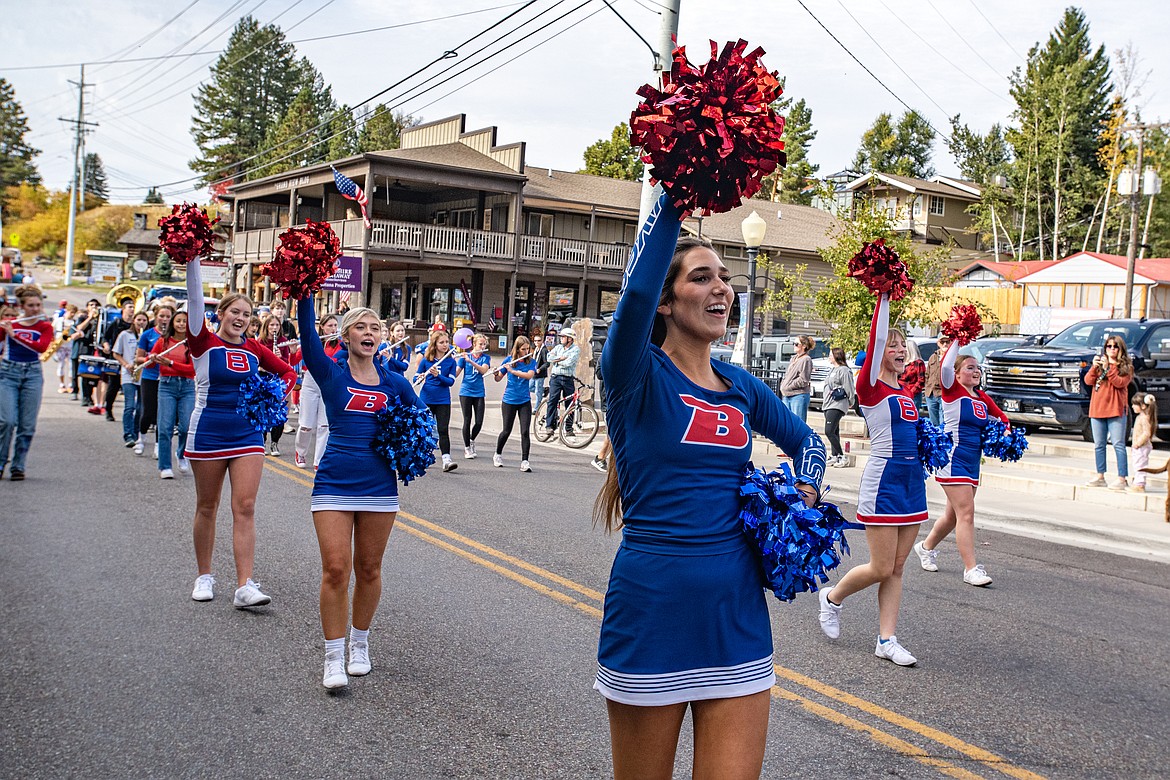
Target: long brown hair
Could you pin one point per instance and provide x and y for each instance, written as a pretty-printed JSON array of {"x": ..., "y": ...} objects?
[
  {"x": 1124, "y": 361},
  {"x": 432, "y": 352},
  {"x": 607, "y": 507},
  {"x": 521, "y": 341}
]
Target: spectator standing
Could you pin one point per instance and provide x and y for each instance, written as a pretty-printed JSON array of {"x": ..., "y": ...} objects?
[
  {"x": 838, "y": 400},
  {"x": 562, "y": 367},
  {"x": 796, "y": 387},
  {"x": 1145, "y": 422},
  {"x": 1110, "y": 377},
  {"x": 933, "y": 386},
  {"x": 540, "y": 356},
  {"x": 125, "y": 352}
]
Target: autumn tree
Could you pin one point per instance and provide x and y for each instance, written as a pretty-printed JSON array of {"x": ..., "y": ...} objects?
[{"x": 615, "y": 158}]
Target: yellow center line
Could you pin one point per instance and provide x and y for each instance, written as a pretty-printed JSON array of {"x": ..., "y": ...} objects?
[{"x": 971, "y": 751}]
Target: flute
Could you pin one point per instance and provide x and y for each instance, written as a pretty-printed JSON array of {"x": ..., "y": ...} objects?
[
  {"x": 137, "y": 371},
  {"x": 30, "y": 318},
  {"x": 423, "y": 376},
  {"x": 392, "y": 346}
]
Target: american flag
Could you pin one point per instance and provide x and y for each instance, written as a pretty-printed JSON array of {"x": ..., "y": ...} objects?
[
  {"x": 344, "y": 296},
  {"x": 349, "y": 189}
]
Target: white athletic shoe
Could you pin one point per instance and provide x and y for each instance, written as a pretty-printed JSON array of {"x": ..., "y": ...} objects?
[
  {"x": 184, "y": 465},
  {"x": 892, "y": 651},
  {"x": 830, "y": 615},
  {"x": 274, "y": 450},
  {"x": 299, "y": 461},
  {"x": 335, "y": 670},
  {"x": 203, "y": 588},
  {"x": 474, "y": 454},
  {"x": 359, "y": 658},
  {"x": 250, "y": 595},
  {"x": 977, "y": 576},
  {"x": 497, "y": 461},
  {"x": 926, "y": 557},
  {"x": 524, "y": 466},
  {"x": 166, "y": 474},
  {"x": 156, "y": 450},
  {"x": 448, "y": 464},
  {"x": 139, "y": 446},
  {"x": 467, "y": 453}
]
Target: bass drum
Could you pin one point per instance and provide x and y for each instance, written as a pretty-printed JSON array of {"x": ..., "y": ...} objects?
[{"x": 95, "y": 366}]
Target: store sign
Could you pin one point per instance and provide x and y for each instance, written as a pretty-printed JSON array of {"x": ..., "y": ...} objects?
[
  {"x": 214, "y": 273},
  {"x": 348, "y": 277},
  {"x": 106, "y": 270}
]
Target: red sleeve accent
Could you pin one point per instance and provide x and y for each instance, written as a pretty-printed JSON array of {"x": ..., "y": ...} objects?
[
  {"x": 271, "y": 363},
  {"x": 991, "y": 407},
  {"x": 38, "y": 345},
  {"x": 199, "y": 343}
]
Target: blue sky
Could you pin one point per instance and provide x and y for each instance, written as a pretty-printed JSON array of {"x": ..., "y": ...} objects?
[{"x": 948, "y": 56}]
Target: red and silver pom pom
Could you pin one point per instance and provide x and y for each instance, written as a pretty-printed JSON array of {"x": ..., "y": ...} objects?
[
  {"x": 186, "y": 234},
  {"x": 710, "y": 134},
  {"x": 306, "y": 257},
  {"x": 964, "y": 324},
  {"x": 879, "y": 268}
]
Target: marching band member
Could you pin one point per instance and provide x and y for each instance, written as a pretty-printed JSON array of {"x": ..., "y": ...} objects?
[
  {"x": 399, "y": 356},
  {"x": 520, "y": 366},
  {"x": 176, "y": 392},
  {"x": 221, "y": 442},
  {"x": 437, "y": 368},
  {"x": 149, "y": 379},
  {"x": 21, "y": 377},
  {"x": 471, "y": 391}
]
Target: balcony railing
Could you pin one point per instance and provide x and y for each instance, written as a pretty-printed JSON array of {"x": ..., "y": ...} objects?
[{"x": 414, "y": 238}]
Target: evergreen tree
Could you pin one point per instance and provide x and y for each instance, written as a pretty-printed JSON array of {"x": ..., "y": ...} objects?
[
  {"x": 294, "y": 142},
  {"x": 153, "y": 196},
  {"x": 382, "y": 129},
  {"x": 614, "y": 158},
  {"x": 1062, "y": 110},
  {"x": 163, "y": 269},
  {"x": 251, "y": 87},
  {"x": 787, "y": 185},
  {"x": 96, "y": 187},
  {"x": 343, "y": 137},
  {"x": 903, "y": 149},
  {"x": 16, "y": 155},
  {"x": 980, "y": 157}
]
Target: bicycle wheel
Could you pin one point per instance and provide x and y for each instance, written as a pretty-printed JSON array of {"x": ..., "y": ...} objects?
[
  {"x": 585, "y": 427},
  {"x": 538, "y": 430}
]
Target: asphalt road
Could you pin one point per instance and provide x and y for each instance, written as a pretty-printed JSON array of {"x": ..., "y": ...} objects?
[{"x": 484, "y": 646}]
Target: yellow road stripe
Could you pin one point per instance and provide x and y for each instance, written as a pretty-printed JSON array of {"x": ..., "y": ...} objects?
[
  {"x": 879, "y": 736},
  {"x": 979, "y": 754}
]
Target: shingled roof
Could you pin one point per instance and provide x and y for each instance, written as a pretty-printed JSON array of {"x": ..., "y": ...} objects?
[
  {"x": 584, "y": 188},
  {"x": 455, "y": 155},
  {"x": 800, "y": 228}
]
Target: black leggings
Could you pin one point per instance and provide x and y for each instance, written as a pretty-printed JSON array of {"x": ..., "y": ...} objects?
[
  {"x": 442, "y": 414},
  {"x": 469, "y": 405},
  {"x": 510, "y": 411},
  {"x": 113, "y": 385},
  {"x": 275, "y": 433},
  {"x": 148, "y": 406},
  {"x": 833, "y": 430}
]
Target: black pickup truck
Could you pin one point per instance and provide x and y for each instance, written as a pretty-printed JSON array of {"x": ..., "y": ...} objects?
[{"x": 1044, "y": 386}]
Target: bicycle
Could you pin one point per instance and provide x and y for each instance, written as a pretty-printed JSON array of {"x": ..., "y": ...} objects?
[{"x": 586, "y": 421}]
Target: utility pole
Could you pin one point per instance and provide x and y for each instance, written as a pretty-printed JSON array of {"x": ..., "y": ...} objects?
[
  {"x": 1134, "y": 204},
  {"x": 667, "y": 31},
  {"x": 78, "y": 144}
]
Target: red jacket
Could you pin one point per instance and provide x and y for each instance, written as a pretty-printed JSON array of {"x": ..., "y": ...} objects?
[{"x": 1111, "y": 399}]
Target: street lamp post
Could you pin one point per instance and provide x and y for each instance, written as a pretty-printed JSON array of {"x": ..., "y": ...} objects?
[{"x": 753, "y": 228}]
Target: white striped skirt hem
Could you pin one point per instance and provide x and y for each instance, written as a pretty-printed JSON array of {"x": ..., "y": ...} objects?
[
  {"x": 354, "y": 504},
  {"x": 658, "y": 690}
]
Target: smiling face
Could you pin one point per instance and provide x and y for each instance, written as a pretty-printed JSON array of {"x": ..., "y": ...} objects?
[
  {"x": 234, "y": 319},
  {"x": 700, "y": 298},
  {"x": 180, "y": 325},
  {"x": 398, "y": 332},
  {"x": 363, "y": 336},
  {"x": 968, "y": 372},
  {"x": 894, "y": 358}
]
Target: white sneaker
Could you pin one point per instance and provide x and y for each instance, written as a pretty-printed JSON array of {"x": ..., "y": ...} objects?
[
  {"x": 166, "y": 474},
  {"x": 830, "y": 615},
  {"x": 474, "y": 453},
  {"x": 156, "y": 450},
  {"x": 250, "y": 595},
  {"x": 926, "y": 557},
  {"x": 359, "y": 658},
  {"x": 448, "y": 464},
  {"x": 203, "y": 588},
  {"x": 184, "y": 465},
  {"x": 299, "y": 461},
  {"x": 977, "y": 576},
  {"x": 892, "y": 651},
  {"x": 274, "y": 450},
  {"x": 139, "y": 446},
  {"x": 524, "y": 466},
  {"x": 467, "y": 454},
  {"x": 497, "y": 461},
  {"x": 335, "y": 670}
]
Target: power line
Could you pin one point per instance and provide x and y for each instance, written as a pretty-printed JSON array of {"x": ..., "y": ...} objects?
[
  {"x": 870, "y": 72},
  {"x": 959, "y": 35},
  {"x": 115, "y": 57},
  {"x": 996, "y": 29}
]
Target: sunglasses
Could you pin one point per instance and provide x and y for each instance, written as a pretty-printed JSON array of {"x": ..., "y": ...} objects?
[{"x": 1112, "y": 346}]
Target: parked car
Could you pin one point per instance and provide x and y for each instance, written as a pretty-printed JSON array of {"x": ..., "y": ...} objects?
[
  {"x": 1044, "y": 385},
  {"x": 982, "y": 347}
]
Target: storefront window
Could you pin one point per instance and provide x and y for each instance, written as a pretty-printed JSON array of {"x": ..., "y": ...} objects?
[{"x": 562, "y": 304}]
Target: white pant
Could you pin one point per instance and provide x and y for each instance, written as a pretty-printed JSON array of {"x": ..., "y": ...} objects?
[
  {"x": 1139, "y": 458},
  {"x": 312, "y": 416}
]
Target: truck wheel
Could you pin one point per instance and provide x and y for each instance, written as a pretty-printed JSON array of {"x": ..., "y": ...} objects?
[{"x": 1087, "y": 431}]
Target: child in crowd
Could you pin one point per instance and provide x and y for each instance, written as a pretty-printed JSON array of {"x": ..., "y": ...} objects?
[{"x": 1145, "y": 412}]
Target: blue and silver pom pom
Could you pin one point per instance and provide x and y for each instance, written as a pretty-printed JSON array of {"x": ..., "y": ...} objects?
[
  {"x": 934, "y": 446},
  {"x": 798, "y": 545},
  {"x": 1007, "y": 444},
  {"x": 406, "y": 437},
  {"x": 262, "y": 402}
]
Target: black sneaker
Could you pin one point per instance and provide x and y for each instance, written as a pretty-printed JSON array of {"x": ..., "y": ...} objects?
[
  {"x": 17, "y": 476},
  {"x": 599, "y": 464}
]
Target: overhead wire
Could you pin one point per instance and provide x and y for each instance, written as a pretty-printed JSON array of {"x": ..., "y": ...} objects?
[
  {"x": 116, "y": 56},
  {"x": 996, "y": 29},
  {"x": 959, "y": 35}
]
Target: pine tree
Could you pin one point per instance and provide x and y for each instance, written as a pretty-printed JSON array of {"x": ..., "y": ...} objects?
[
  {"x": 788, "y": 184},
  {"x": 343, "y": 137},
  {"x": 251, "y": 87},
  {"x": 16, "y": 155},
  {"x": 614, "y": 158},
  {"x": 981, "y": 158},
  {"x": 153, "y": 196},
  {"x": 903, "y": 149},
  {"x": 96, "y": 186},
  {"x": 382, "y": 129},
  {"x": 163, "y": 269},
  {"x": 295, "y": 141}
]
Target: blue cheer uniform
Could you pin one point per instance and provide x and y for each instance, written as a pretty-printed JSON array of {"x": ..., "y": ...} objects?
[
  {"x": 964, "y": 417},
  {"x": 472, "y": 384},
  {"x": 217, "y": 431},
  {"x": 685, "y": 612},
  {"x": 146, "y": 343},
  {"x": 398, "y": 359},
  {"x": 436, "y": 390},
  {"x": 516, "y": 387},
  {"x": 893, "y": 489},
  {"x": 351, "y": 476}
]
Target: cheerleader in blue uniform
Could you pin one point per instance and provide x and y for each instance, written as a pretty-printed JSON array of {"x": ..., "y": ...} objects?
[
  {"x": 355, "y": 494},
  {"x": 966, "y": 412},
  {"x": 891, "y": 500},
  {"x": 398, "y": 357},
  {"x": 472, "y": 396},
  {"x": 220, "y": 441},
  {"x": 437, "y": 367},
  {"x": 686, "y": 622}
]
